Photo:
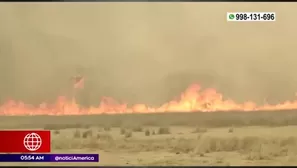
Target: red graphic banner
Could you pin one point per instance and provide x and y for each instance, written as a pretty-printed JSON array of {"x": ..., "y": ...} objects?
[{"x": 25, "y": 141}]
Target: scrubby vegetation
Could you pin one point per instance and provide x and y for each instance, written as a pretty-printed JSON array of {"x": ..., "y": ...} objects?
[{"x": 244, "y": 136}]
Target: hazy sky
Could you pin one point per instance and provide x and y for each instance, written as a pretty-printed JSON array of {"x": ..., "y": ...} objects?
[{"x": 145, "y": 52}]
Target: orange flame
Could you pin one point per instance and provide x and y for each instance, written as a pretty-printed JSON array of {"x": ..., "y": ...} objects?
[{"x": 192, "y": 100}]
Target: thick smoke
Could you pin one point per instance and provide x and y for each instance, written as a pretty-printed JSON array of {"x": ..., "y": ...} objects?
[{"x": 145, "y": 52}]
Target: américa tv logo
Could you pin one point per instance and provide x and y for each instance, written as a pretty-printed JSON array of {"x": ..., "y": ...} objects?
[
  {"x": 24, "y": 141},
  {"x": 32, "y": 142}
]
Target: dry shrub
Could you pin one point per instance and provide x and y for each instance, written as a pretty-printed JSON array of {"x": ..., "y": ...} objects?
[
  {"x": 255, "y": 148},
  {"x": 56, "y": 132},
  {"x": 271, "y": 148},
  {"x": 214, "y": 144},
  {"x": 181, "y": 146},
  {"x": 201, "y": 155},
  {"x": 88, "y": 133},
  {"x": 264, "y": 151},
  {"x": 153, "y": 132},
  {"x": 250, "y": 142},
  {"x": 128, "y": 134},
  {"x": 91, "y": 144},
  {"x": 137, "y": 129},
  {"x": 199, "y": 136},
  {"x": 102, "y": 141},
  {"x": 199, "y": 130},
  {"x": 99, "y": 130},
  {"x": 75, "y": 144},
  {"x": 219, "y": 159},
  {"x": 147, "y": 133},
  {"x": 231, "y": 130},
  {"x": 164, "y": 130},
  {"x": 76, "y": 134},
  {"x": 290, "y": 141},
  {"x": 86, "y": 126},
  {"x": 122, "y": 131},
  {"x": 104, "y": 137},
  {"x": 107, "y": 128}
]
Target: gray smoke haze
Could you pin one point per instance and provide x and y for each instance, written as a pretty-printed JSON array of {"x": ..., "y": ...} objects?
[{"x": 145, "y": 52}]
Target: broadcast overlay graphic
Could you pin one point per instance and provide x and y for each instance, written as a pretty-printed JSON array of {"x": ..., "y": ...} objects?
[
  {"x": 25, "y": 141},
  {"x": 251, "y": 16},
  {"x": 35, "y": 146},
  {"x": 49, "y": 157}
]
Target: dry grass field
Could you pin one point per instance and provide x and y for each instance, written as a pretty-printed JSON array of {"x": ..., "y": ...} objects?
[
  {"x": 221, "y": 138},
  {"x": 148, "y": 53}
]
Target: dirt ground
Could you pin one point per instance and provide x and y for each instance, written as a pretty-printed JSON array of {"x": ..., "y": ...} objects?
[{"x": 222, "y": 138}]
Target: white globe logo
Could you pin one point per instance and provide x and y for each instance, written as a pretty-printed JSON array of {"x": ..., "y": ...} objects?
[{"x": 32, "y": 142}]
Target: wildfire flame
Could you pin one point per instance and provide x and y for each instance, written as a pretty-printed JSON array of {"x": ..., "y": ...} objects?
[{"x": 193, "y": 99}]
